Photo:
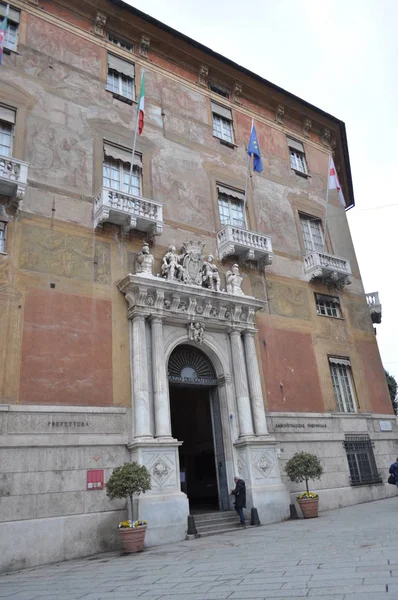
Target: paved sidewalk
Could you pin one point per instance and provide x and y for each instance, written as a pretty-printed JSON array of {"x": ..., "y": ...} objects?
[{"x": 346, "y": 554}]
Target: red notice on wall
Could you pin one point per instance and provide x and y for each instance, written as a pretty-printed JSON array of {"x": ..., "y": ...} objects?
[{"x": 95, "y": 479}]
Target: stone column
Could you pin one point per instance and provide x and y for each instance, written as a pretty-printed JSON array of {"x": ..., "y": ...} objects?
[
  {"x": 142, "y": 420},
  {"x": 253, "y": 376},
  {"x": 159, "y": 381},
  {"x": 240, "y": 379}
]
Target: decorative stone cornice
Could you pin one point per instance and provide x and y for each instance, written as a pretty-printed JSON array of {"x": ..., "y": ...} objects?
[{"x": 181, "y": 303}]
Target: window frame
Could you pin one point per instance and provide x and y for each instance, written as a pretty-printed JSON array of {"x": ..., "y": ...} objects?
[
  {"x": 11, "y": 128},
  {"x": 222, "y": 115},
  {"x": 231, "y": 199},
  {"x": 7, "y": 48},
  {"x": 309, "y": 219},
  {"x": 343, "y": 402},
  {"x": 122, "y": 172},
  {"x": 326, "y": 298},
  {"x": 3, "y": 238},
  {"x": 298, "y": 156},
  {"x": 120, "y": 43},
  {"x": 120, "y": 69},
  {"x": 358, "y": 448}
]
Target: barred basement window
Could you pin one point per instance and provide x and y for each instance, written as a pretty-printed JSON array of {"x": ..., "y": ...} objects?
[
  {"x": 328, "y": 306},
  {"x": 361, "y": 460},
  {"x": 343, "y": 385}
]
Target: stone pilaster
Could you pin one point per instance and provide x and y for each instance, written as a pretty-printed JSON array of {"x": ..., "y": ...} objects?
[
  {"x": 142, "y": 419},
  {"x": 253, "y": 376},
  {"x": 159, "y": 381},
  {"x": 241, "y": 388}
]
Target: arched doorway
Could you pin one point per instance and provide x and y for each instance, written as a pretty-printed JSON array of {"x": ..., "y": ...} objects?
[{"x": 196, "y": 421}]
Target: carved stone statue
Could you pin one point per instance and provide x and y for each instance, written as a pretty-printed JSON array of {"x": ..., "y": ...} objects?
[
  {"x": 172, "y": 269},
  {"x": 210, "y": 274},
  {"x": 144, "y": 261},
  {"x": 196, "y": 332},
  {"x": 234, "y": 281}
]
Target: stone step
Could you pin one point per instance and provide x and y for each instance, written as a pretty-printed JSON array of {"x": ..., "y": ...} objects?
[
  {"x": 218, "y": 526},
  {"x": 216, "y": 516},
  {"x": 220, "y": 531},
  {"x": 214, "y": 522}
]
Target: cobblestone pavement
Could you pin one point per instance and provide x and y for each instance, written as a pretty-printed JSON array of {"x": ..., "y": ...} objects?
[{"x": 346, "y": 554}]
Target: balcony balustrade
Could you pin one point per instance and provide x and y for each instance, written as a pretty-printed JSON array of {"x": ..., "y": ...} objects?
[
  {"x": 128, "y": 211},
  {"x": 328, "y": 269},
  {"x": 374, "y": 307},
  {"x": 13, "y": 179},
  {"x": 247, "y": 245}
]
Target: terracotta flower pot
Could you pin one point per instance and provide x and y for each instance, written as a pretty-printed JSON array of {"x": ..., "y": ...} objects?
[
  {"x": 309, "y": 507},
  {"x": 133, "y": 538}
]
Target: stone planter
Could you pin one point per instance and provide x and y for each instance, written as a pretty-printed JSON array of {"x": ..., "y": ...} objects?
[
  {"x": 132, "y": 538},
  {"x": 309, "y": 507}
]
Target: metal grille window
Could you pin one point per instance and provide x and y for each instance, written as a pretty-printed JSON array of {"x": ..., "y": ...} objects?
[
  {"x": 231, "y": 206},
  {"x": 328, "y": 306},
  {"x": 297, "y": 156},
  {"x": 343, "y": 385},
  {"x": 361, "y": 460},
  {"x": 13, "y": 18},
  {"x": 120, "y": 81},
  {"x": 312, "y": 234},
  {"x": 222, "y": 123}
]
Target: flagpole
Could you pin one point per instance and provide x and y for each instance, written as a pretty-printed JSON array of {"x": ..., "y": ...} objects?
[
  {"x": 134, "y": 142},
  {"x": 247, "y": 176},
  {"x": 327, "y": 207}
]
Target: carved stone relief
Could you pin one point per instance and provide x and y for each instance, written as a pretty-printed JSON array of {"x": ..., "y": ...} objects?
[
  {"x": 100, "y": 23},
  {"x": 326, "y": 137},
  {"x": 196, "y": 332},
  {"x": 307, "y": 125},
  {"x": 144, "y": 261},
  {"x": 279, "y": 114},
  {"x": 236, "y": 92},
  {"x": 144, "y": 45},
  {"x": 288, "y": 301},
  {"x": 203, "y": 75}
]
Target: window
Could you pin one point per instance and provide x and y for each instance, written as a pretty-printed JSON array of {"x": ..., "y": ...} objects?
[
  {"x": 13, "y": 18},
  {"x": 343, "y": 385},
  {"x": 116, "y": 170},
  {"x": 3, "y": 229},
  {"x": 217, "y": 89},
  {"x": 312, "y": 234},
  {"x": 297, "y": 156},
  {"x": 328, "y": 306},
  {"x": 120, "y": 43},
  {"x": 120, "y": 78},
  {"x": 7, "y": 121},
  {"x": 222, "y": 123},
  {"x": 231, "y": 204},
  {"x": 361, "y": 460}
]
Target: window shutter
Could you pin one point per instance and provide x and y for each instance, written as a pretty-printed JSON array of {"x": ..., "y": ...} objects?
[
  {"x": 295, "y": 145},
  {"x": 7, "y": 114},
  {"x": 339, "y": 361},
  {"x": 121, "y": 66},
  {"x": 230, "y": 192},
  {"x": 121, "y": 154},
  {"x": 226, "y": 113},
  {"x": 14, "y": 15}
]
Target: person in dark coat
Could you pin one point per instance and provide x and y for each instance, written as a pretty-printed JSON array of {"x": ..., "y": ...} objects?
[
  {"x": 240, "y": 498},
  {"x": 394, "y": 470}
]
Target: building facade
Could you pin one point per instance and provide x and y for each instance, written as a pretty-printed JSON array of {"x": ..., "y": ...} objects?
[{"x": 168, "y": 309}]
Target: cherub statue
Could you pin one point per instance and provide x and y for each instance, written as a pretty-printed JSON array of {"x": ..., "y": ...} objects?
[
  {"x": 172, "y": 270},
  {"x": 234, "y": 281},
  {"x": 196, "y": 332},
  {"x": 144, "y": 261},
  {"x": 210, "y": 274}
]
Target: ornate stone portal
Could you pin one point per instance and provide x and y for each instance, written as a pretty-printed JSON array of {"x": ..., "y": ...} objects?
[{"x": 165, "y": 312}]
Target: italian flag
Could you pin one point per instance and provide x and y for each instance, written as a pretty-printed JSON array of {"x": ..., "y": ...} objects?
[
  {"x": 3, "y": 33},
  {"x": 141, "y": 106}
]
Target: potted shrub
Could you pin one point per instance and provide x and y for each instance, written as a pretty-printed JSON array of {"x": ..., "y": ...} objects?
[
  {"x": 302, "y": 467},
  {"x": 124, "y": 482}
]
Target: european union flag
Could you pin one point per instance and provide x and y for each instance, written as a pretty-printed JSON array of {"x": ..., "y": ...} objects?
[{"x": 254, "y": 150}]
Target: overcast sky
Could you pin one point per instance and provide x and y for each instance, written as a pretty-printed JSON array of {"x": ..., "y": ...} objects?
[{"x": 340, "y": 55}]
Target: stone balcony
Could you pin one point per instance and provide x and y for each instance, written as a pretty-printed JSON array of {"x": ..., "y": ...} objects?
[
  {"x": 128, "y": 211},
  {"x": 327, "y": 269},
  {"x": 248, "y": 246},
  {"x": 13, "y": 179},
  {"x": 374, "y": 307}
]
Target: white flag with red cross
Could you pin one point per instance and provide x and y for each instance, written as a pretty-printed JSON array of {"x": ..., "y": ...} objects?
[{"x": 334, "y": 183}]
